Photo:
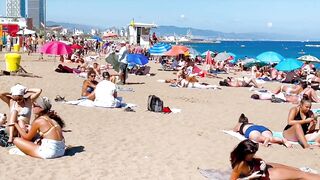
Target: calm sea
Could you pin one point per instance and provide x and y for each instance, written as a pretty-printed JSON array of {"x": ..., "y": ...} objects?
[{"x": 292, "y": 49}]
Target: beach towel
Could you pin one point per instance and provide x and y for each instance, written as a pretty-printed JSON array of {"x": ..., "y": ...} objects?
[
  {"x": 89, "y": 103},
  {"x": 215, "y": 174},
  {"x": 275, "y": 134}
]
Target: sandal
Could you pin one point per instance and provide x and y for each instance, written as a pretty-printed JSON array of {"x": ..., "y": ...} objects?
[
  {"x": 59, "y": 99},
  {"x": 129, "y": 109}
]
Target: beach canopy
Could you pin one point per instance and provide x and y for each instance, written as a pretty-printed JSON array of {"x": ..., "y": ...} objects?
[
  {"x": 26, "y": 32},
  {"x": 289, "y": 64},
  {"x": 137, "y": 59},
  {"x": 308, "y": 58},
  {"x": 223, "y": 56},
  {"x": 270, "y": 57},
  {"x": 159, "y": 49},
  {"x": 56, "y": 48}
]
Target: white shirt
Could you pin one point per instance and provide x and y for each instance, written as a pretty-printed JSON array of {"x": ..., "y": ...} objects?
[
  {"x": 104, "y": 94},
  {"x": 123, "y": 54}
]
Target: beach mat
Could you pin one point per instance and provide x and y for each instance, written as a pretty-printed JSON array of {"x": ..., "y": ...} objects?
[{"x": 275, "y": 134}]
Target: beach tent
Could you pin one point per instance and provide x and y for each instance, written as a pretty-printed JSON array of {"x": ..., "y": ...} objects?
[
  {"x": 56, "y": 48},
  {"x": 289, "y": 64},
  {"x": 137, "y": 59},
  {"x": 159, "y": 49},
  {"x": 270, "y": 57},
  {"x": 26, "y": 32}
]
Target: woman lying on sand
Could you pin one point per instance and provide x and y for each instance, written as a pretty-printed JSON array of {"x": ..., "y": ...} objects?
[
  {"x": 17, "y": 101},
  {"x": 246, "y": 166},
  {"x": 307, "y": 92},
  {"x": 233, "y": 82},
  {"x": 49, "y": 126},
  {"x": 301, "y": 124},
  {"x": 258, "y": 133}
]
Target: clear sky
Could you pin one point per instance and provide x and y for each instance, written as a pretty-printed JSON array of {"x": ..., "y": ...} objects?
[{"x": 297, "y": 17}]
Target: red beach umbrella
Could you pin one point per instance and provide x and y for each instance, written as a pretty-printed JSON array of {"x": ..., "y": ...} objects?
[{"x": 76, "y": 46}]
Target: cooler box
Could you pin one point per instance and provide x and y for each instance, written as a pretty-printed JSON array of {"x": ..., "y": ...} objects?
[
  {"x": 13, "y": 62},
  {"x": 16, "y": 47}
]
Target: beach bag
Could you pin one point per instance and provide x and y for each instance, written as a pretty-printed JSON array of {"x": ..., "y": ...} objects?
[
  {"x": 4, "y": 137},
  {"x": 155, "y": 104}
]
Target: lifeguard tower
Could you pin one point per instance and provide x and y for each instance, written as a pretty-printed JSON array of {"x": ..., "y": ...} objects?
[{"x": 139, "y": 33}]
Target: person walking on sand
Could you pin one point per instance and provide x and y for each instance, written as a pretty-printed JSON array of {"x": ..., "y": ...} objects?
[{"x": 123, "y": 55}]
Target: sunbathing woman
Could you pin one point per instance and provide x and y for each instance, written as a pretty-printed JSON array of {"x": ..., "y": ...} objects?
[
  {"x": 294, "y": 90},
  {"x": 246, "y": 166},
  {"x": 233, "y": 82},
  {"x": 49, "y": 126},
  {"x": 89, "y": 84},
  {"x": 301, "y": 124},
  {"x": 258, "y": 133},
  {"x": 20, "y": 99}
]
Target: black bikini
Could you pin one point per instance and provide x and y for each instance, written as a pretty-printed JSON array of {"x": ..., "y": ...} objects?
[{"x": 305, "y": 126}]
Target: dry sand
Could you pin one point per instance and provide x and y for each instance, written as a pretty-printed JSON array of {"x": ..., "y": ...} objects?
[{"x": 113, "y": 144}]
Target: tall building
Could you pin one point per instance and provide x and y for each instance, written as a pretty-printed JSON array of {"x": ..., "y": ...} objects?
[
  {"x": 36, "y": 11},
  {"x": 16, "y": 8}
]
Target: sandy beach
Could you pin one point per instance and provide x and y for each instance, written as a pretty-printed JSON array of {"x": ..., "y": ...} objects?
[{"x": 114, "y": 144}]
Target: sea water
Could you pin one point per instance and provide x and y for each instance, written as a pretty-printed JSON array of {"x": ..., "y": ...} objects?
[{"x": 288, "y": 49}]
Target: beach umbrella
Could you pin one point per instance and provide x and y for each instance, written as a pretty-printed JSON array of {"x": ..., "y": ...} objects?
[
  {"x": 270, "y": 57},
  {"x": 234, "y": 60},
  {"x": 25, "y": 32},
  {"x": 248, "y": 62},
  {"x": 76, "y": 46},
  {"x": 308, "y": 58},
  {"x": 223, "y": 56},
  {"x": 193, "y": 53},
  {"x": 159, "y": 49},
  {"x": 113, "y": 60},
  {"x": 137, "y": 59},
  {"x": 208, "y": 60},
  {"x": 176, "y": 50},
  {"x": 289, "y": 64},
  {"x": 56, "y": 48},
  {"x": 110, "y": 35},
  {"x": 205, "y": 53},
  {"x": 97, "y": 38}
]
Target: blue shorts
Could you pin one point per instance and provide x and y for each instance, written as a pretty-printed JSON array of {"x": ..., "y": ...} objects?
[{"x": 255, "y": 128}]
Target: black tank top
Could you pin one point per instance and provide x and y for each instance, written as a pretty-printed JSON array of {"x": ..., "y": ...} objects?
[{"x": 305, "y": 126}]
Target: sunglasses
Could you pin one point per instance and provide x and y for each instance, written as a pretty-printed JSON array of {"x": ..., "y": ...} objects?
[{"x": 92, "y": 75}]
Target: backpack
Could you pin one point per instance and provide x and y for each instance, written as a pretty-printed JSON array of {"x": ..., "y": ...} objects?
[{"x": 155, "y": 104}]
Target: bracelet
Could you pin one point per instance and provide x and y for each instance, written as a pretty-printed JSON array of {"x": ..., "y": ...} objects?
[{"x": 11, "y": 124}]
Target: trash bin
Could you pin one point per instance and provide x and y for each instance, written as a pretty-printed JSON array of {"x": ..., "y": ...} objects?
[
  {"x": 13, "y": 62},
  {"x": 16, "y": 47}
]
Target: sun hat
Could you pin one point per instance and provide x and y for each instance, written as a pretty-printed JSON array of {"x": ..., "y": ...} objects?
[
  {"x": 18, "y": 90},
  {"x": 44, "y": 103}
]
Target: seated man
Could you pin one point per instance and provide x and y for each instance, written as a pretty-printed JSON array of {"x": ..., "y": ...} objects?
[{"x": 105, "y": 94}]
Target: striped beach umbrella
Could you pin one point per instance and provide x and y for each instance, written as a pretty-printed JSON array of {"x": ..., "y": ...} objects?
[{"x": 159, "y": 49}]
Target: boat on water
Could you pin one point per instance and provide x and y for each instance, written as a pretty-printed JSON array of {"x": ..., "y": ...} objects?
[
  {"x": 312, "y": 45},
  {"x": 242, "y": 45}
]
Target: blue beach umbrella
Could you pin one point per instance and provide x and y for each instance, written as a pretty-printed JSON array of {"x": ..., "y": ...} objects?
[
  {"x": 270, "y": 57},
  {"x": 248, "y": 62},
  {"x": 159, "y": 49},
  {"x": 97, "y": 38},
  {"x": 234, "y": 60},
  {"x": 289, "y": 64},
  {"x": 137, "y": 59}
]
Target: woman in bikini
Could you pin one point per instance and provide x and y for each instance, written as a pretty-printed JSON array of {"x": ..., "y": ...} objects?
[
  {"x": 246, "y": 166},
  {"x": 258, "y": 133},
  {"x": 301, "y": 124},
  {"x": 89, "y": 84},
  {"x": 17, "y": 101},
  {"x": 48, "y": 125}
]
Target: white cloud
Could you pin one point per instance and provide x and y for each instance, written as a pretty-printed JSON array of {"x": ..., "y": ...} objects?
[
  {"x": 269, "y": 24},
  {"x": 182, "y": 16}
]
